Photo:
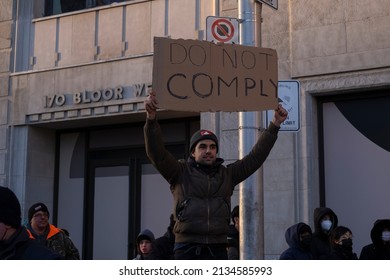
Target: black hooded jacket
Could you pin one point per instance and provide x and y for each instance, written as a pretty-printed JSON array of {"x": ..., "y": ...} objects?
[
  {"x": 377, "y": 250},
  {"x": 320, "y": 246},
  {"x": 148, "y": 235},
  {"x": 296, "y": 250}
]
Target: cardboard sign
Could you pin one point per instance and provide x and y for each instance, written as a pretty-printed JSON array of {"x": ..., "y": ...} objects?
[{"x": 192, "y": 75}]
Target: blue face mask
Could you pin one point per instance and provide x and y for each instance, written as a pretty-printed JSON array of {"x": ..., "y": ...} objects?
[
  {"x": 326, "y": 225},
  {"x": 386, "y": 235}
]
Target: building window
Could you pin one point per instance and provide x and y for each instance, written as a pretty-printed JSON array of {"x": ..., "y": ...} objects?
[{"x": 55, "y": 7}]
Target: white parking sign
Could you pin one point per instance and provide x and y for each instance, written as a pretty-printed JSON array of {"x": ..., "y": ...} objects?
[
  {"x": 288, "y": 93},
  {"x": 222, "y": 30}
]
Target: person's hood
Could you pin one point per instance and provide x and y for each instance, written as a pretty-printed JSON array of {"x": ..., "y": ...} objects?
[
  {"x": 376, "y": 231},
  {"x": 319, "y": 213},
  {"x": 145, "y": 234},
  {"x": 292, "y": 235}
]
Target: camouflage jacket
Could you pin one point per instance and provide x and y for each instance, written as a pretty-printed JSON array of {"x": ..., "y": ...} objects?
[{"x": 58, "y": 242}]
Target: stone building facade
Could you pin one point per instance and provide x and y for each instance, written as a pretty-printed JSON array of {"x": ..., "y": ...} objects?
[{"x": 72, "y": 87}]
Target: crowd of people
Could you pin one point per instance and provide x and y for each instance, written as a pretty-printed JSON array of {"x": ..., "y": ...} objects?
[
  {"x": 331, "y": 241},
  {"x": 38, "y": 240},
  {"x": 202, "y": 226}
]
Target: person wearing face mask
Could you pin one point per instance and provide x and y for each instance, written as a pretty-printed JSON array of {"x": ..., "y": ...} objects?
[
  {"x": 325, "y": 220},
  {"x": 379, "y": 249},
  {"x": 340, "y": 240},
  {"x": 15, "y": 243},
  {"x": 298, "y": 238}
]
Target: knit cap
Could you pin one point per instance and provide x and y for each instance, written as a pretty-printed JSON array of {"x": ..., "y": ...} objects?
[
  {"x": 36, "y": 208},
  {"x": 201, "y": 135}
]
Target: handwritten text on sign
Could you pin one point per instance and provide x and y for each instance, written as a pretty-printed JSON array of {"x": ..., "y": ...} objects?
[{"x": 191, "y": 75}]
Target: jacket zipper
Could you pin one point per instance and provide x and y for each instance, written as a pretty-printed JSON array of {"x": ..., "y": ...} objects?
[{"x": 208, "y": 208}]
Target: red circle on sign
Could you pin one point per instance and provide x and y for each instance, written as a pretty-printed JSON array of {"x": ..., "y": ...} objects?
[{"x": 218, "y": 25}]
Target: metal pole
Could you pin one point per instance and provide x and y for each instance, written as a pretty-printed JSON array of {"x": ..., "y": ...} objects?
[{"x": 251, "y": 190}]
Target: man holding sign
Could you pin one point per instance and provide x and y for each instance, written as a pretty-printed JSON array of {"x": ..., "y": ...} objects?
[{"x": 202, "y": 186}]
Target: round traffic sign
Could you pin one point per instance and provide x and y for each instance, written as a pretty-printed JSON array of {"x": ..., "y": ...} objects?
[{"x": 222, "y": 30}]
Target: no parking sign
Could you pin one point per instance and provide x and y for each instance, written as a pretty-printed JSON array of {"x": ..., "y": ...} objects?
[{"x": 222, "y": 30}]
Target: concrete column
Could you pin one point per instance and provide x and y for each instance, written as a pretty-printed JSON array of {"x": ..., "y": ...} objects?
[
  {"x": 251, "y": 190},
  {"x": 6, "y": 23}
]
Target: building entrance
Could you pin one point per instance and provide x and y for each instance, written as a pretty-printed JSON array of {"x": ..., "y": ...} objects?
[
  {"x": 108, "y": 191},
  {"x": 355, "y": 160}
]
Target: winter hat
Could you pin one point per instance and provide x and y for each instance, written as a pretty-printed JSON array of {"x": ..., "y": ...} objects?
[
  {"x": 35, "y": 208},
  {"x": 145, "y": 235},
  {"x": 201, "y": 135},
  {"x": 10, "y": 213}
]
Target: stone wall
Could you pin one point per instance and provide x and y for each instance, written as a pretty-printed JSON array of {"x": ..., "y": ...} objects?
[{"x": 6, "y": 23}]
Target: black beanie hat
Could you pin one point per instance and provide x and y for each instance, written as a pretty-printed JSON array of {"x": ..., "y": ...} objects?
[
  {"x": 35, "y": 208},
  {"x": 201, "y": 135},
  {"x": 10, "y": 213}
]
